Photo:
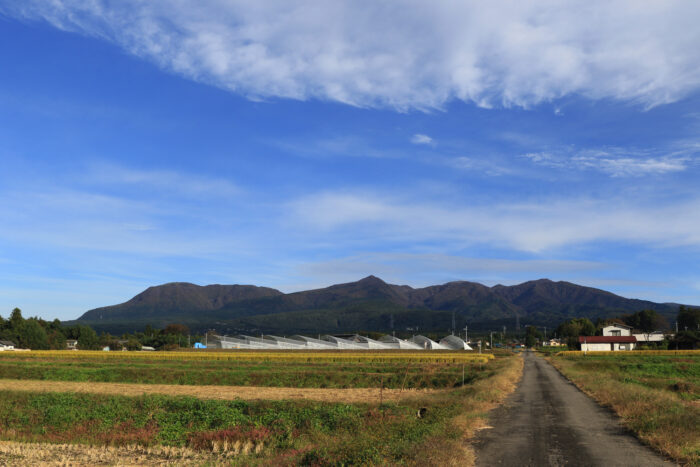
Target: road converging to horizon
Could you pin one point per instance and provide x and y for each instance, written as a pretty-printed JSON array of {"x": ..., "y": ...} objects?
[{"x": 548, "y": 421}]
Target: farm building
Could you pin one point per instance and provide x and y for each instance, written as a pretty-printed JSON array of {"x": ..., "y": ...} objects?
[
  {"x": 71, "y": 344},
  {"x": 552, "y": 343},
  {"x": 656, "y": 336},
  {"x": 607, "y": 343},
  {"x": 426, "y": 343},
  {"x": 371, "y": 343},
  {"x": 342, "y": 343},
  {"x": 328, "y": 342},
  {"x": 396, "y": 343},
  {"x": 454, "y": 343},
  {"x": 7, "y": 345},
  {"x": 617, "y": 329},
  {"x": 315, "y": 344},
  {"x": 286, "y": 343}
]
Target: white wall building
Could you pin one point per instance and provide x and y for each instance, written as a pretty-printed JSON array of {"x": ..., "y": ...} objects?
[
  {"x": 7, "y": 345},
  {"x": 656, "y": 336},
  {"x": 607, "y": 343},
  {"x": 617, "y": 330}
]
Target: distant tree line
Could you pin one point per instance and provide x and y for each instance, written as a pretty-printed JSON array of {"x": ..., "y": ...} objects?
[{"x": 38, "y": 334}]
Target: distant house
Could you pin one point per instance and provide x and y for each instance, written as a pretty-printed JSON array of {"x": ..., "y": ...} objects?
[
  {"x": 606, "y": 343},
  {"x": 7, "y": 345},
  {"x": 552, "y": 343},
  {"x": 72, "y": 344},
  {"x": 656, "y": 336},
  {"x": 617, "y": 329}
]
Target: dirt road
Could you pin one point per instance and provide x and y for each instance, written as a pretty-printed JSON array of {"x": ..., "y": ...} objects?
[
  {"x": 547, "y": 421},
  {"x": 352, "y": 395}
]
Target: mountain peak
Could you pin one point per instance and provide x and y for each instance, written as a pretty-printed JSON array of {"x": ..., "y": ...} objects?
[{"x": 371, "y": 279}]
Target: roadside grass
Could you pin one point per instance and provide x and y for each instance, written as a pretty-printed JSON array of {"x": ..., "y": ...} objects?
[
  {"x": 550, "y": 350},
  {"x": 267, "y": 432},
  {"x": 656, "y": 396},
  {"x": 451, "y": 445}
]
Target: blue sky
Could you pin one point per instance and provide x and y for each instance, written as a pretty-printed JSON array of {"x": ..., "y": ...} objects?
[{"x": 297, "y": 145}]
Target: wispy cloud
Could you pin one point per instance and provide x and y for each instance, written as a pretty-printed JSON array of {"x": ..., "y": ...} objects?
[
  {"x": 336, "y": 146},
  {"x": 420, "y": 138},
  {"x": 167, "y": 181},
  {"x": 534, "y": 227},
  {"x": 620, "y": 162},
  {"x": 405, "y": 55}
]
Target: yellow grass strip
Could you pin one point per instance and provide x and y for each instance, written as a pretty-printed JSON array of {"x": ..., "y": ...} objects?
[
  {"x": 352, "y": 395},
  {"x": 25, "y": 454}
]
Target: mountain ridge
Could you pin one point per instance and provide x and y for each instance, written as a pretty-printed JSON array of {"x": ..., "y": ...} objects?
[{"x": 367, "y": 304}]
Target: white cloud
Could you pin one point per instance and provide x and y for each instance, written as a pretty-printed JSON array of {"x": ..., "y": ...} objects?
[
  {"x": 405, "y": 54},
  {"x": 419, "y": 138},
  {"x": 532, "y": 227}
]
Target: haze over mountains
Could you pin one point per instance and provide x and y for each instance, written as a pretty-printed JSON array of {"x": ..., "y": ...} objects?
[{"x": 369, "y": 304}]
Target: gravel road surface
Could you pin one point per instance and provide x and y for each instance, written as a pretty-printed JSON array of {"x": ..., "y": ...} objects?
[{"x": 547, "y": 421}]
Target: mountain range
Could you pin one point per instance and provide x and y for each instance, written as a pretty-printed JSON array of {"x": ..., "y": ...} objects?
[{"x": 369, "y": 304}]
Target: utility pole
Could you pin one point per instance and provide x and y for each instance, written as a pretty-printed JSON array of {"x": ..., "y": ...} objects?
[
  {"x": 491, "y": 341},
  {"x": 466, "y": 335},
  {"x": 453, "y": 323}
]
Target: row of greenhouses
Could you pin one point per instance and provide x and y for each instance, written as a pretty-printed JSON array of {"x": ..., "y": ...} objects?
[{"x": 329, "y": 342}]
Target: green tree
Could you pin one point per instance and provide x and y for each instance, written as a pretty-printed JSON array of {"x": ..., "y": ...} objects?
[
  {"x": 16, "y": 319},
  {"x": 573, "y": 328},
  {"x": 31, "y": 335},
  {"x": 532, "y": 335},
  {"x": 87, "y": 339},
  {"x": 688, "y": 318},
  {"x": 56, "y": 339},
  {"x": 133, "y": 344}
]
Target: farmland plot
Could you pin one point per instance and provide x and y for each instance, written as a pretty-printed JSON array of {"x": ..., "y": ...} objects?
[{"x": 380, "y": 426}]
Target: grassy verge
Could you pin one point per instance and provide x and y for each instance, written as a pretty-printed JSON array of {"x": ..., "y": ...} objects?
[
  {"x": 450, "y": 445},
  {"x": 265, "y": 432},
  {"x": 656, "y": 396}
]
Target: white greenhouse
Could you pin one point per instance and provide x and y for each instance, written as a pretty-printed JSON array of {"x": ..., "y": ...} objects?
[{"x": 330, "y": 342}]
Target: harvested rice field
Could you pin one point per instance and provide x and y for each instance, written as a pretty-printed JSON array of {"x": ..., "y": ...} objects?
[{"x": 327, "y": 408}]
